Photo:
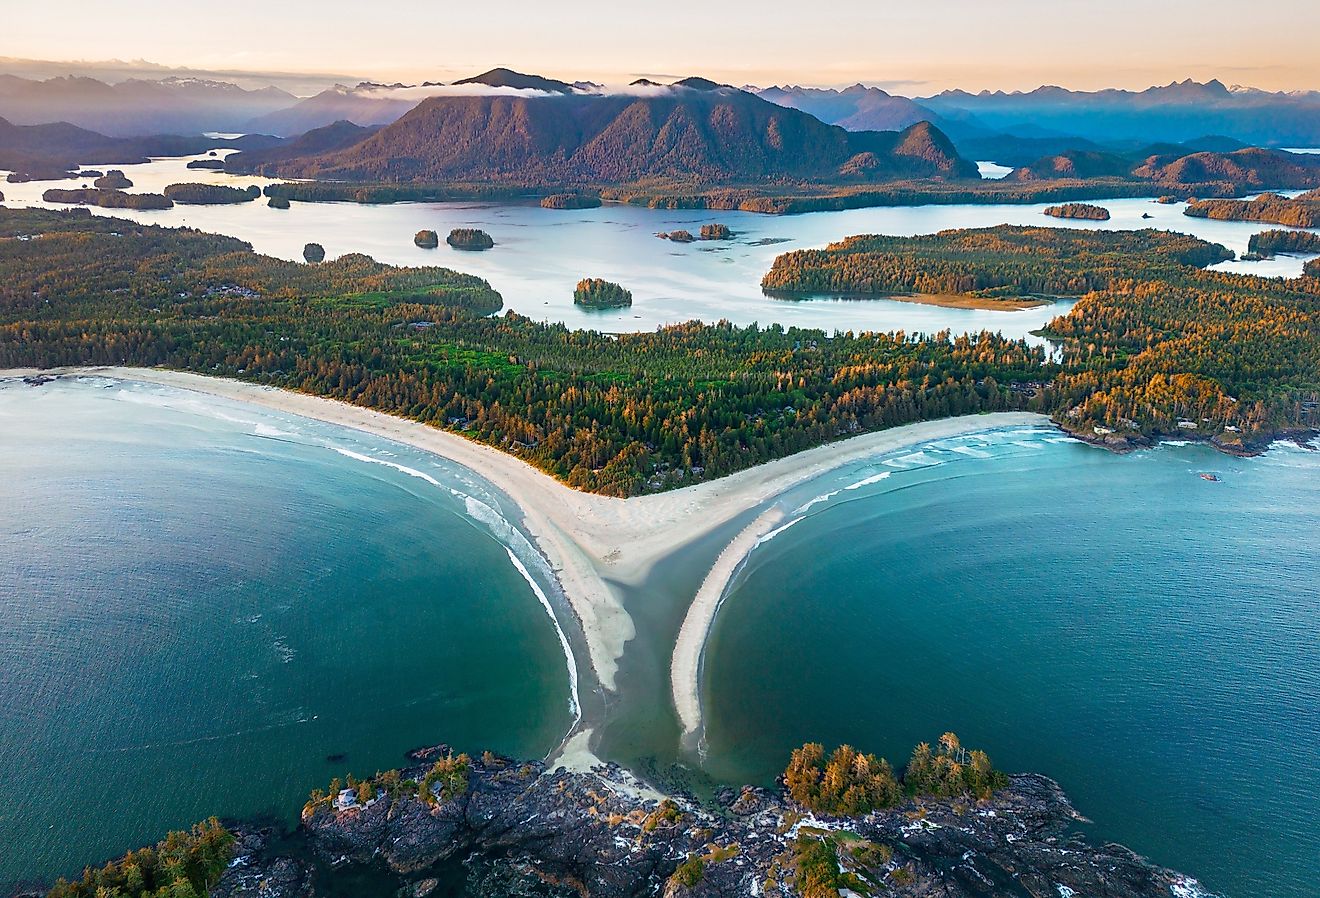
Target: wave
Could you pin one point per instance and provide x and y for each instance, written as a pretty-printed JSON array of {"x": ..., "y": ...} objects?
[
  {"x": 823, "y": 497},
  {"x": 402, "y": 469},
  {"x": 867, "y": 481},
  {"x": 772, "y": 534},
  {"x": 574, "y": 703},
  {"x": 912, "y": 459}
]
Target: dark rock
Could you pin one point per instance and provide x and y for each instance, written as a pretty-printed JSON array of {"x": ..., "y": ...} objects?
[
  {"x": 599, "y": 833},
  {"x": 253, "y": 873}
]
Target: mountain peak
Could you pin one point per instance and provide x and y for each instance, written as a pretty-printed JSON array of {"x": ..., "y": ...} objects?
[
  {"x": 699, "y": 84},
  {"x": 501, "y": 77}
]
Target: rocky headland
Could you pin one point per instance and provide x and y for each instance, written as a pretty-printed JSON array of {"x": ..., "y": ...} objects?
[{"x": 602, "y": 834}]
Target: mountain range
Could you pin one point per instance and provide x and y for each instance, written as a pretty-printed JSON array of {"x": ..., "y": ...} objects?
[
  {"x": 691, "y": 131},
  {"x": 52, "y": 150},
  {"x": 136, "y": 107}
]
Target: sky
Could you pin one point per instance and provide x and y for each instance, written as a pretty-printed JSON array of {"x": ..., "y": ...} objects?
[{"x": 913, "y": 48}]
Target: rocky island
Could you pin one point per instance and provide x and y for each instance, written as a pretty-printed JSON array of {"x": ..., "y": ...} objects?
[
  {"x": 314, "y": 252},
  {"x": 677, "y": 236},
  {"x": 469, "y": 239},
  {"x": 426, "y": 239},
  {"x": 1083, "y": 211},
  {"x": 113, "y": 180},
  {"x": 716, "y": 232},
  {"x": 952, "y": 826},
  {"x": 596, "y": 293}
]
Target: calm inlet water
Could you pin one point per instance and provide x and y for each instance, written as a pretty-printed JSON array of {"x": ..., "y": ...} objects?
[
  {"x": 210, "y": 609},
  {"x": 1145, "y": 636},
  {"x": 540, "y": 254}
]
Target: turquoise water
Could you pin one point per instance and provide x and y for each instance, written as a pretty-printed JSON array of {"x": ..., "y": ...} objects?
[
  {"x": 203, "y": 606},
  {"x": 1145, "y": 636}
]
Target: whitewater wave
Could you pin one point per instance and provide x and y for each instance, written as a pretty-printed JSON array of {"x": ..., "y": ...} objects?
[
  {"x": 867, "y": 481},
  {"x": 402, "y": 469},
  {"x": 912, "y": 459},
  {"x": 574, "y": 704},
  {"x": 823, "y": 497},
  {"x": 773, "y": 533}
]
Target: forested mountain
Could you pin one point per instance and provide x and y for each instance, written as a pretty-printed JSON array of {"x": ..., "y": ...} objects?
[
  {"x": 335, "y": 136},
  {"x": 49, "y": 151},
  {"x": 1240, "y": 171},
  {"x": 135, "y": 107},
  {"x": 1176, "y": 112},
  {"x": 857, "y": 108},
  {"x": 697, "y": 133},
  {"x": 364, "y": 105}
]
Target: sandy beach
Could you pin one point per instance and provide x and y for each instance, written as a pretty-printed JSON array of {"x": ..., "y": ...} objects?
[{"x": 587, "y": 538}]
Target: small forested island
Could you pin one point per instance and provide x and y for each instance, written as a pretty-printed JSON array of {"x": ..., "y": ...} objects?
[
  {"x": 278, "y": 202},
  {"x": 211, "y": 194},
  {"x": 207, "y": 164},
  {"x": 1267, "y": 243},
  {"x": 571, "y": 201},
  {"x": 1078, "y": 210},
  {"x": 1157, "y": 346},
  {"x": 595, "y": 293},
  {"x": 107, "y": 199},
  {"x": 1297, "y": 212},
  {"x": 716, "y": 232},
  {"x": 426, "y": 239},
  {"x": 469, "y": 239},
  {"x": 314, "y": 252},
  {"x": 843, "y": 823},
  {"x": 113, "y": 180}
]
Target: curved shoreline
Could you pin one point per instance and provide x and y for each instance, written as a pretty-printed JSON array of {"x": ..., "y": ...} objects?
[{"x": 587, "y": 537}]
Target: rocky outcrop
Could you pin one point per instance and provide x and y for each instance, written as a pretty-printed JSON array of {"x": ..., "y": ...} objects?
[{"x": 602, "y": 835}]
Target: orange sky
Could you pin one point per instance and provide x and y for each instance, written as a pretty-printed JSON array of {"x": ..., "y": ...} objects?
[{"x": 911, "y": 48}]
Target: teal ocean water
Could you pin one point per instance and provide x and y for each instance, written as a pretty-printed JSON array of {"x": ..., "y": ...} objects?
[
  {"x": 209, "y": 609},
  {"x": 1145, "y": 636}
]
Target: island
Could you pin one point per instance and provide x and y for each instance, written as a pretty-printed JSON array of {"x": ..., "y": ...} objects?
[
  {"x": 473, "y": 239},
  {"x": 211, "y": 194},
  {"x": 716, "y": 232},
  {"x": 107, "y": 199},
  {"x": 207, "y": 164},
  {"x": 842, "y": 823},
  {"x": 278, "y": 202},
  {"x": 1003, "y": 268},
  {"x": 1301, "y": 211},
  {"x": 427, "y": 239},
  {"x": 570, "y": 201},
  {"x": 113, "y": 180},
  {"x": 314, "y": 252},
  {"x": 595, "y": 293},
  {"x": 677, "y": 236},
  {"x": 1084, "y": 211},
  {"x": 1267, "y": 243}
]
